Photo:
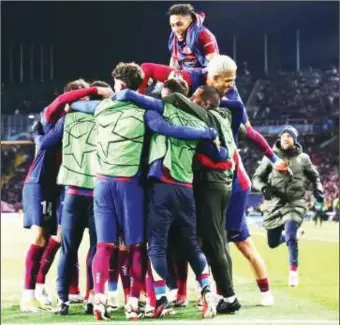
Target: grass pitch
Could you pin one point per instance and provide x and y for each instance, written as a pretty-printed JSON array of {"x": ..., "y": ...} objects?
[{"x": 315, "y": 301}]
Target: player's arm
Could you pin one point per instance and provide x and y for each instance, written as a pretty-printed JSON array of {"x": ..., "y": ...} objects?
[
  {"x": 56, "y": 109},
  {"x": 173, "y": 63},
  {"x": 145, "y": 102},
  {"x": 208, "y": 44},
  {"x": 158, "y": 124},
  {"x": 54, "y": 136},
  {"x": 215, "y": 153},
  {"x": 313, "y": 176},
  {"x": 85, "y": 106}
]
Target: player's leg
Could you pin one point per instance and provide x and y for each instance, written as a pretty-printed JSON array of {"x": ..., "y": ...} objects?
[
  {"x": 130, "y": 209},
  {"x": 124, "y": 269},
  {"x": 185, "y": 217},
  {"x": 291, "y": 229},
  {"x": 112, "y": 282},
  {"x": 275, "y": 237},
  {"x": 212, "y": 234},
  {"x": 38, "y": 217},
  {"x": 107, "y": 235},
  {"x": 73, "y": 224},
  {"x": 89, "y": 296},
  {"x": 160, "y": 73},
  {"x": 159, "y": 220}
]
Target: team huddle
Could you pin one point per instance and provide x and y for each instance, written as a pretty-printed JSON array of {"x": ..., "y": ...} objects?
[{"x": 153, "y": 171}]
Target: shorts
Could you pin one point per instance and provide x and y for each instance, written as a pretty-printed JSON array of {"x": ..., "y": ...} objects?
[
  {"x": 119, "y": 210},
  {"x": 39, "y": 205},
  {"x": 236, "y": 222}
]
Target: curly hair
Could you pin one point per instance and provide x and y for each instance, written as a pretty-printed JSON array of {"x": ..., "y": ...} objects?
[
  {"x": 130, "y": 73},
  {"x": 181, "y": 9}
]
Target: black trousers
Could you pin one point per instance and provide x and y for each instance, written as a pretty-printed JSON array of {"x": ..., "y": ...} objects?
[{"x": 212, "y": 200}]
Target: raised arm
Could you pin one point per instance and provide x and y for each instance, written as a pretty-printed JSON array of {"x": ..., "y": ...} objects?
[
  {"x": 145, "y": 102},
  {"x": 158, "y": 124},
  {"x": 85, "y": 106},
  {"x": 54, "y": 136}
]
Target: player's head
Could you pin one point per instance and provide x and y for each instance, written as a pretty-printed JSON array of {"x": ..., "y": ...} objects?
[
  {"x": 206, "y": 97},
  {"x": 288, "y": 137},
  {"x": 175, "y": 86},
  {"x": 127, "y": 75},
  {"x": 76, "y": 84},
  {"x": 181, "y": 16},
  {"x": 221, "y": 73},
  {"x": 98, "y": 83}
]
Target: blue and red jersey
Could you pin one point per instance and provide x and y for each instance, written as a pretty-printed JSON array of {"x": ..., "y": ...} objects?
[{"x": 198, "y": 43}]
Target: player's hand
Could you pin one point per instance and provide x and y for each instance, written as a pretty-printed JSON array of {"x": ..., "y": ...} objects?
[
  {"x": 105, "y": 92},
  {"x": 267, "y": 192},
  {"x": 67, "y": 108},
  {"x": 282, "y": 167},
  {"x": 37, "y": 128},
  {"x": 318, "y": 195},
  {"x": 217, "y": 143}
]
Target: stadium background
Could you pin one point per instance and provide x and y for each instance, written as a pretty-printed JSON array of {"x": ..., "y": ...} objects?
[{"x": 287, "y": 53}]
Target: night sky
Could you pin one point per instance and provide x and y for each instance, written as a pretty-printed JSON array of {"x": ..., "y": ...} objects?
[{"x": 90, "y": 38}]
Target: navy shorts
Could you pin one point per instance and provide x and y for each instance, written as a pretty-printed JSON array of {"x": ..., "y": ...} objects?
[
  {"x": 39, "y": 205},
  {"x": 119, "y": 210},
  {"x": 236, "y": 222}
]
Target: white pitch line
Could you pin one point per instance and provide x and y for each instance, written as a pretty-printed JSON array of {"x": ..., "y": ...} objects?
[{"x": 212, "y": 321}]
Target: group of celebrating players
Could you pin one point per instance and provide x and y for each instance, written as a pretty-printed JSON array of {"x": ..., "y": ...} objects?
[{"x": 156, "y": 178}]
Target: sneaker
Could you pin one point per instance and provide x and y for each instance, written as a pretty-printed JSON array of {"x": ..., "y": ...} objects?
[
  {"x": 141, "y": 305},
  {"x": 224, "y": 307},
  {"x": 132, "y": 311},
  {"x": 112, "y": 303},
  {"x": 293, "y": 278},
  {"x": 31, "y": 306},
  {"x": 100, "y": 307},
  {"x": 62, "y": 308},
  {"x": 76, "y": 298},
  {"x": 181, "y": 301},
  {"x": 209, "y": 306},
  {"x": 42, "y": 295},
  {"x": 267, "y": 299}
]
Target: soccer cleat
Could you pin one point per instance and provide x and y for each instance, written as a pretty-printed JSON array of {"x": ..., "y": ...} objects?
[
  {"x": 293, "y": 278},
  {"x": 62, "y": 308},
  {"x": 112, "y": 303},
  {"x": 224, "y": 307},
  {"x": 100, "y": 307},
  {"x": 209, "y": 306},
  {"x": 149, "y": 311},
  {"x": 181, "y": 301},
  {"x": 42, "y": 295},
  {"x": 267, "y": 299},
  {"x": 132, "y": 311},
  {"x": 161, "y": 305},
  {"x": 88, "y": 303},
  {"x": 31, "y": 306},
  {"x": 76, "y": 298}
]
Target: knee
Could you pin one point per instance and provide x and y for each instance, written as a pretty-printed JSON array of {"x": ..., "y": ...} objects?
[
  {"x": 272, "y": 243},
  {"x": 247, "y": 249},
  {"x": 40, "y": 238}
]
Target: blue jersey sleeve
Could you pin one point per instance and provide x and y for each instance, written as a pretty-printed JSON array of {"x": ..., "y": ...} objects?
[
  {"x": 54, "y": 136},
  {"x": 158, "y": 124},
  {"x": 85, "y": 106},
  {"x": 146, "y": 102},
  {"x": 233, "y": 95},
  {"x": 209, "y": 149}
]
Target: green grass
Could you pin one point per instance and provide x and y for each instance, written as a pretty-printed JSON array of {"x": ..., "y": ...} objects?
[{"x": 317, "y": 297}]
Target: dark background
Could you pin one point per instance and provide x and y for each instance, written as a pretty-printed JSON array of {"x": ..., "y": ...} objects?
[{"x": 90, "y": 38}]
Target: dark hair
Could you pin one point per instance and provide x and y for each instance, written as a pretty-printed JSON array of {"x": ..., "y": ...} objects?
[
  {"x": 130, "y": 73},
  {"x": 210, "y": 94},
  {"x": 181, "y": 9},
  {"x": 155, "y": 95},
  {"x": 177, "y": 86},
  {"x": 76, "y": 84},
  {"x": 98, "y": 83}
]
